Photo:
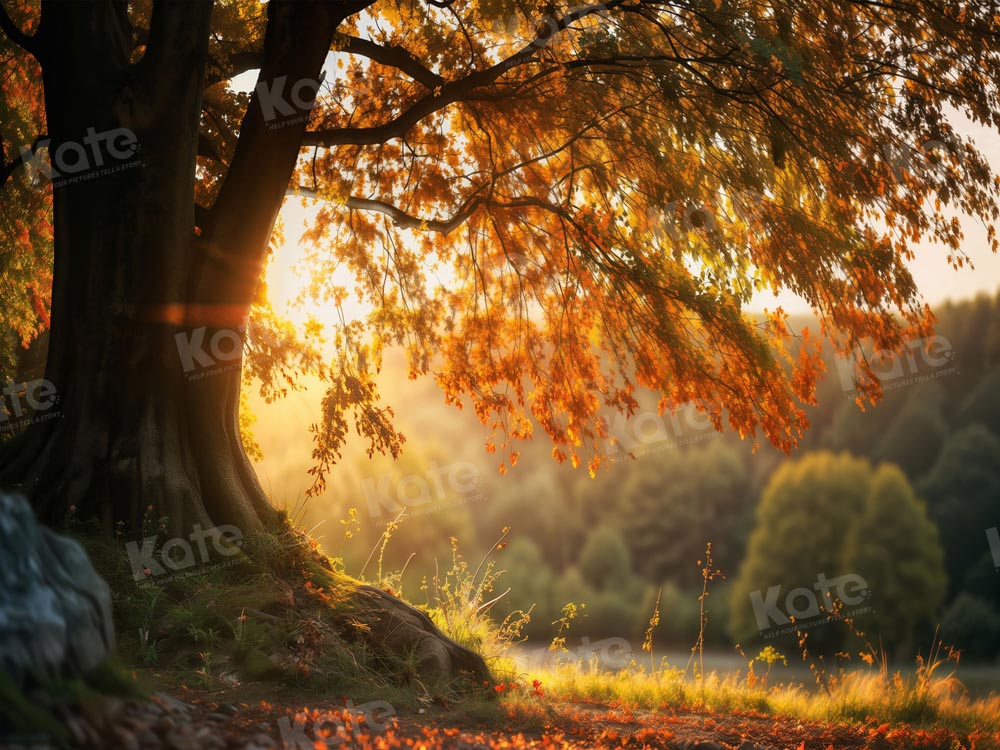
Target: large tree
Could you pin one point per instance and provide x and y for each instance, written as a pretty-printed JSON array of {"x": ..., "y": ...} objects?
[{"x": 548, "y": 207}]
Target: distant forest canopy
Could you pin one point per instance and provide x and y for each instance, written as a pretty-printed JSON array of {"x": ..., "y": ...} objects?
[{"x": 612, "y": 541}]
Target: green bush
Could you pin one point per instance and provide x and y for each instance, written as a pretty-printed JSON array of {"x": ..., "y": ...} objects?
[{"x": 973, "y": 621}]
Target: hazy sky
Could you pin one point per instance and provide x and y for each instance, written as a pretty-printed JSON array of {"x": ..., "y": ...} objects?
[{"x": 935, "y": 278}]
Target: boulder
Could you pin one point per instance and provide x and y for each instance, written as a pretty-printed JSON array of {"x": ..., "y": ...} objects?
[{"x": 55, "y": 610}]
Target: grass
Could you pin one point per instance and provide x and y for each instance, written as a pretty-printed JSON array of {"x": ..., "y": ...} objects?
[
  {"x": 275, "y": 619},
  {"x": 858, "y": 697},
  {"x": 274, "y": 611},
  {"x": 928, "y": 699}
]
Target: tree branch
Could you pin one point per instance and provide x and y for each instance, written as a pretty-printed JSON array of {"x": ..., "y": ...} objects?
[
  {"x": 395, "y": 57},
  {"x": 232, "y": 65},
  {"x": 399, "y": 217},
  {"x": 297, "y": 40},
  {"x": 8, "y": 168},
  {"x": 448, "y": 93}
]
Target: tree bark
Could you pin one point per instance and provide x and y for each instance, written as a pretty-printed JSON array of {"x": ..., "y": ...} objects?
[{"x": 137, "y": 426}]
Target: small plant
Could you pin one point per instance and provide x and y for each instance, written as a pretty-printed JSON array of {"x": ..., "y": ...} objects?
[
  {"x": 460, "y": 602},
  {"x": 926, "y": 668},
  {"x": 570, "y": 612},
  {"x": 146, "y": 649},
  {"x": 240, "y": 633},
  {"x": 647, "y": 643},
  {"x": 380, "y": 545},
  {"x": 204, "y": 637},
  {"x": 205, "y": 671},
  {"x": 351, "y": 526},
  {"x": 768, "y": 656},
  {"x": 708, "y": 573}
]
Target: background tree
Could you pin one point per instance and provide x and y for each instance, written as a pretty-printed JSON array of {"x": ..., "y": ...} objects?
[
  {"x": 674, "y": 501},
  {"x": 525, "y": 203},
  {"x": 834, "y": 515},
  {"x": 807, "y": 510},
  {"x": 604, "y": 560},
  {"x": 974, "y": 623},
  {"x": 895, "y": 547},
  {"x": 982, "y": 406},
  {"x": 913, "y": 438},
  {"x": 962, "y": 488}
]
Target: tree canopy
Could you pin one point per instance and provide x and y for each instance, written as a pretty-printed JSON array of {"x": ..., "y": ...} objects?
[
  {"x": 832, "y": 517},
  {"x": 550, "y": 207}
]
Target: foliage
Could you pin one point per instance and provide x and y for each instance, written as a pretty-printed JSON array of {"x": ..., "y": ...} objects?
[
  {"x": 913, "y": 439},
  {"x": 973, "y": 621},
  {"x": 530, "y": 199},
  {"x": 604, "y": 561},
  {"x": 895, "y": 547},
  {"x": 804, "y": 515},
  {"x": 961, "y": 490},
  {"x": 982, "y": 406},
  {"x": 670, "y": 505},
  {"x": 831, "y": 515}
]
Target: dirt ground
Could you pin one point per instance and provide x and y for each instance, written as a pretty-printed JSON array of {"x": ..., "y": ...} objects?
[{"x": 195, "y": 720}]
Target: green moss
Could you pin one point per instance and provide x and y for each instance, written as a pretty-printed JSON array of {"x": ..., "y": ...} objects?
[
  {"x": 27, "y": 716},
  {"x": 21, "y": 716},
  {"x": 258, "y": 667}
]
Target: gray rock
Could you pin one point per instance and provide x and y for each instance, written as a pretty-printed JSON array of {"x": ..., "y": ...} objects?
[
  {"x": 171, "y": 704},
  {"x": 55, "y": 611}
]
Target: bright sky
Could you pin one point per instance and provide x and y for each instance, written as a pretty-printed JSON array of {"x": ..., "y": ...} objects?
[{"x": 935, "y": 278}]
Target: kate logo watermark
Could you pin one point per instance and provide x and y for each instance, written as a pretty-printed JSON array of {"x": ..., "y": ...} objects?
[
  {"x": 202, "y": 353},
  {"x": 335, "y": 728},
  {"x": 649, "y": 431},
  {"x": 151, "y": 560},
  {"x": 802, "y": 608},
  {"x": 27, "y": 402},
  {"x": 224, "y": 345},
  {"x": 451, "y": 484},
  {"x": 279, "y": 109},
  {"x": 922, "y": 359},
  {"x": 95, "y": 155}
]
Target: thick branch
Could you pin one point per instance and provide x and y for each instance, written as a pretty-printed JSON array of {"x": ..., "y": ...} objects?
[
  {"x": 461, "y": 90},
  {"x": 395, "y": 57},
  {"x": 232, "y": 65},
  {"x": 399, "y": 217},
  {"x": 8, "y": 168},
  {"x": 297, "y": 40}
]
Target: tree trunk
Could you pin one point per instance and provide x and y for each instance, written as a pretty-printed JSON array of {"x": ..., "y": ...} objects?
[{"x": 146, "y": 418}]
